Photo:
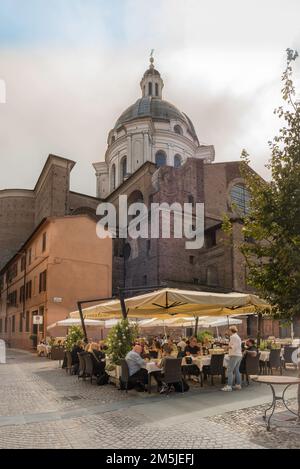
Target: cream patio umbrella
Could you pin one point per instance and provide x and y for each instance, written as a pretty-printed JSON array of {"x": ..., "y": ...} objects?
[
  {"x": 168, "y": 302},
  {"x": 69, "y": 322}
]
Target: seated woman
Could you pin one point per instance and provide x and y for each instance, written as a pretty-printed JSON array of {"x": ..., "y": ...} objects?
[
  {"x": 155, "y": 350},
  {"x": 251, "y": 349},
  {"x": 173, "y": 347},
  {"x": 97, "y": 357}
]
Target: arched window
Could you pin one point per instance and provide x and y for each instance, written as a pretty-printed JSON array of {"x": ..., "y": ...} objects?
[
  {"x": 113, "y": 139},
  {"x": 177, "y": 161},
  {"x": 156, "y": 89},
  {"x": 178, "y": 130},
  {"x": 150, "y": 89},
  {"x": 124, "y": 168},
  {"x": 160, "y": 159},
  {"x": 113, "y": 177},
  {"x": 240, "y": 198}
]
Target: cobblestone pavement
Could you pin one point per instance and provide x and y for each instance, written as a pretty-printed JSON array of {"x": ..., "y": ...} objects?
[
  {"x": 284, "y": 434},
  {"x": 43, "y": 407}
]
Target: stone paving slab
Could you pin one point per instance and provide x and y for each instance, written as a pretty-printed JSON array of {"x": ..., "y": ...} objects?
[{"x": 43, "y": 407}]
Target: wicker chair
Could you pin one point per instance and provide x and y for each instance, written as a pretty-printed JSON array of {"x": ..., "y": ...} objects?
[
  {"x": 89, "y": 367},
  {"x": 69, "y": 365},
  {"x": 287, "y": 355},
  {"x": 172, "y": 372},
  {"x": 216, "y": 368},
  {"x": 274, "y": 361},
  {"x": 81, "y": 370},
  {"x": 57, "y": 353},
  {"x": 124, "y": 374},
  {"x": 252, "y": 366}
]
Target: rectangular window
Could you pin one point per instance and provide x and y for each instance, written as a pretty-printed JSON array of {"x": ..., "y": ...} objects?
[
  {"x": 43, "y": 281},
  {"x": 13, "y": 323},
  {"x": 44, "y": 242},
  {"x": 21, "y": 323},
  {"x": 23, "y": 263},
  {"x": 12, "y": 298},
  {"x": 22, "y": 294},
  {"x": 28, "y": 290},
  {"x": 195, "y": 281},
  {"x": 192, "y": 260},
  {"x": 27, "y": 325},
  {"x": 29, "y": 256}
]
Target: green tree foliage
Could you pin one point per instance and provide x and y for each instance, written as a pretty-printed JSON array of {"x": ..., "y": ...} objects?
[
  {"x": 120, "y": 340},
  {"x": 75, "y": 333},
  {"x": 272, "y": 226}
]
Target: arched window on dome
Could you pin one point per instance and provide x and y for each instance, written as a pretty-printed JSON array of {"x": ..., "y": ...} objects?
[
  {"x": 113, "y": 139},
  {"x": 156, "y": 89},
  {"x": 113, "y": 177},
  {"x": 160, "y": 159},
  {"x": 178, "y": 129},
  {"x": 150, "y": 89},
  {"x": 177, "y": 161},
  {"x": 123, "y": 168}
]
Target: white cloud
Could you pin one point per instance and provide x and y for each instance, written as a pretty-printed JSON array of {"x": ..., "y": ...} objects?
[{"x": 222, "y": 69}]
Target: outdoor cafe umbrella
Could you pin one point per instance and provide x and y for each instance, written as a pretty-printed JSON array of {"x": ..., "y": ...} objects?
[
  {"x": 168, "y": 302},
  {"x": 69, "y": 322}
]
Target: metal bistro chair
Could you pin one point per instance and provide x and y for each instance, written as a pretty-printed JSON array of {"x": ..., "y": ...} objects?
[
  {"x": 287, "y": 355},
  {"x": 172, "y": 372},
  {"x": 252, "y": 366},
  {"x": 216, "y": 368},
  {"x": 274, "y": 361},
  {"x": 81, "y": 369},
  {"x": 89, "y": 367}
]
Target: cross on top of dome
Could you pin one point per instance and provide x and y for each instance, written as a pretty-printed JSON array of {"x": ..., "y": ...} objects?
[{"x": 152, "y": 83}]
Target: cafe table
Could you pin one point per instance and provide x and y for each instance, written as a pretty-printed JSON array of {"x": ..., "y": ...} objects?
[
  {"x": 272, "y": 381},
  {"x": 151, "y": 367}
]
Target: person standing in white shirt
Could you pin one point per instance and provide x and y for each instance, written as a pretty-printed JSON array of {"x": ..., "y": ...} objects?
[{"x": 235, "y": 357}]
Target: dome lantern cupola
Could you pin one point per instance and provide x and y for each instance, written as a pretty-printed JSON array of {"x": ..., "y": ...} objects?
[{"x": 152, "y": 83}]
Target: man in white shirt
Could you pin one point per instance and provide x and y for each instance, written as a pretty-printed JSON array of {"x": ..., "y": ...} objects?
[{"x": 235, "y": 357}]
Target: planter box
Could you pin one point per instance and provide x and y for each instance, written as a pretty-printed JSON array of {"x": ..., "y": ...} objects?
[{"x": 114, "y": 375}]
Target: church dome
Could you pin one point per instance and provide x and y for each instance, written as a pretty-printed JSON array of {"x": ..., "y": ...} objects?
[{"x": 157, "y": 109}]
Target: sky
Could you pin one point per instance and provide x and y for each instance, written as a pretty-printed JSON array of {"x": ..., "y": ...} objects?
[{"x": 71, "y": 67}]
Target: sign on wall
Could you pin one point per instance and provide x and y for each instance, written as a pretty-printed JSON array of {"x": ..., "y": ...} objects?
[{"x": 37, "y": 319}]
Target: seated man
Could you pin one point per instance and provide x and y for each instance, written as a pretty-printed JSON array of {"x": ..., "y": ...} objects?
[
  {"x": 136, "y": 365},
  {"x": 250, "y": 348}
]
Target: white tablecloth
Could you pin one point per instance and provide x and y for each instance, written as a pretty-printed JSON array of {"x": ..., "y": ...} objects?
[
  {"x": 265, "y": 355},
  {"x": 42, "y": 348}
]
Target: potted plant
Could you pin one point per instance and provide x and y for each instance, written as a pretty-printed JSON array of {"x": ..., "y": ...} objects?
[
  {"x": 75, "y": 333},
  {"x": 119, "y": 343}
]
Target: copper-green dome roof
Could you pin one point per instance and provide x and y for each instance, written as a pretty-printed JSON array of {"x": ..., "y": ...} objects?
[{"x": 156, "y": 108}]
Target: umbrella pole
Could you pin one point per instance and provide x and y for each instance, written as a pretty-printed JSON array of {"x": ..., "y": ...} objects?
[
  {"x": 82, "y": 322},
  {"x": 196, "y": 325}
]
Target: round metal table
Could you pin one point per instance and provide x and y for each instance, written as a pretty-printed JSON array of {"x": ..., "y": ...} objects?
[{"x": 272, "y": 381}]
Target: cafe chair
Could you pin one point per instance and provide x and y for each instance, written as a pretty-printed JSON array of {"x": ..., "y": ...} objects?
[
  {"x": 216, "y": 368},
  {"x": 81, "y": 369},
  {"x": 89, "y": 367},
  {"x": 69, "y": 365},
  {"x": 251, "y": 366},
  {"x": 172, "y": 372},
  {"x": 287, "y": 355},
  {"x": 274, "y": 361}
]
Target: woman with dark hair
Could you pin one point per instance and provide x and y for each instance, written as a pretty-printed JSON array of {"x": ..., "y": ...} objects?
[{"x": 251, "y": 349}]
